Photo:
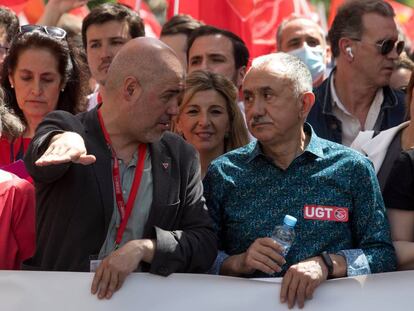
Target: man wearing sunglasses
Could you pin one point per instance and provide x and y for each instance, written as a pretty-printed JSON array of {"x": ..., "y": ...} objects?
[
  {"x": 356, "y": 96},
  {"x": 104, "y": 31}
]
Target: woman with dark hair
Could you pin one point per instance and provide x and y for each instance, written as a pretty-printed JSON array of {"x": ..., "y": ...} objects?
[
  {"x": 40, "y": 74},
  {"x": 209, "y": 117},
  {"x": 17, "y": 205}
]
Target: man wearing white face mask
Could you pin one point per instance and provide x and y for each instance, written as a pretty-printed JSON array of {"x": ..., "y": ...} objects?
[{"x": 305, "y": 39}]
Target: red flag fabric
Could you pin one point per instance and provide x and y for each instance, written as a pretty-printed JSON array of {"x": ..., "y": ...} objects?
[
  {"x": 255, "y": 21},
  {"x": 16, "y": 5},
  {"x": 152, "y": 26},
  {"x": 335, "y": 4}
]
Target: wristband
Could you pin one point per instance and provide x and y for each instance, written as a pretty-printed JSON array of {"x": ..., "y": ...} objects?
[{"x": 328, "y": 262}]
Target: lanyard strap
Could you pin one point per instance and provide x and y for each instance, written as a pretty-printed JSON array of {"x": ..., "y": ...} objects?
[
  {"x": 124, "y": 210},
  {"x": 20, "y": 151},
  {"x": 99, "y": 98}
]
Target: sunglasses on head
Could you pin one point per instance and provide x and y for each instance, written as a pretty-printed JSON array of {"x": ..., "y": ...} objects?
[
  {"x": 52, "y": 31},
  {"x": 387, "y": 45}
]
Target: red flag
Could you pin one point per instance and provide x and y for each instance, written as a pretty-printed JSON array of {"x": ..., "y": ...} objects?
[
  {"x": 152, "y": 26},
  {"x": 16, "y": 5},
  {"x": 335, "y": 4},
  {"x": 255, "y": 21}
]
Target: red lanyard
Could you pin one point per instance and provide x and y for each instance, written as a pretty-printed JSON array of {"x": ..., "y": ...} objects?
[
  {"x": 124, "y": 210},
  {"x": 99, "y": 98}
]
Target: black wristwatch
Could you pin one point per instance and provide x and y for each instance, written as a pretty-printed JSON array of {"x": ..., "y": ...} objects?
[{"x": 328, "y": 262}]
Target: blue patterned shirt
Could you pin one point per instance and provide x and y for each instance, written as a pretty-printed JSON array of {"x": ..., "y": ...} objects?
[{"x": 247, "y": 195}]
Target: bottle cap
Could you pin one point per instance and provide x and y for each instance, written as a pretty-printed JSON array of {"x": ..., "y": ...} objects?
[{"x": 290, "y": 221}]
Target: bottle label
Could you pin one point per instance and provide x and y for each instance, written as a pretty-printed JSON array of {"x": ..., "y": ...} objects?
[{"x": 321, "y": 212}]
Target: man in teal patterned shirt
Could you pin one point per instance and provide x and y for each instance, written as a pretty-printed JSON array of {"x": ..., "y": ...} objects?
[{"x": 342, "y": 228}]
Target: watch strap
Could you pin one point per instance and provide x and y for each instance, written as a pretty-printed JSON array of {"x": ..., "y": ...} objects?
[{"x": 328, "y": 262}]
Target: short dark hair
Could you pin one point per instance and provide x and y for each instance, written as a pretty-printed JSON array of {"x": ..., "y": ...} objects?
[
  {"x": 180, "y": 24},
  {"x": 113, "y": 12},
  {"x": 348, "y": 20},
  {"x": 240, "y": 51},
  {"x": 71, "y": 97},
  {"x": 9, "y": 21}
]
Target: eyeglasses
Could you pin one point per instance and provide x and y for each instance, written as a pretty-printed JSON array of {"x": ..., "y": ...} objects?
[
  {"x": 52, "y": 31},
  {"x": 388, "y": 45}
]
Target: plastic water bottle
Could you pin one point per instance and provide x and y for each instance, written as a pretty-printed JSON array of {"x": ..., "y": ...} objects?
[{"x": 285, "y": 234}]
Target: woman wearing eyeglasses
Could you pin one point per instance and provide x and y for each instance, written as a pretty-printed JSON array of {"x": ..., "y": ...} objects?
[{"x": 40, "y": 74}]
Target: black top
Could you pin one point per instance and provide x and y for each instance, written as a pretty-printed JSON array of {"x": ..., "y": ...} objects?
[
  {"x": 399, "y": 190},
  {"x": 393, "y": 152}
]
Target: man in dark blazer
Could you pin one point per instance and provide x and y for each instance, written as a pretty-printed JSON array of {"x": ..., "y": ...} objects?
[{"x": 82, "y": 165}]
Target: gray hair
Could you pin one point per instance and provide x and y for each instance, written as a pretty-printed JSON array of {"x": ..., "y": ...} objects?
[{"x": 290, "y": 66}]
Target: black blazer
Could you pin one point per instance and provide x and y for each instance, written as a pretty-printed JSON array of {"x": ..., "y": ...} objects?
[{"x": 75, "y": 202}]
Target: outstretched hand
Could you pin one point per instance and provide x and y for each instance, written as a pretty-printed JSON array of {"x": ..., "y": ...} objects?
[{"x": 64, "y": 148}]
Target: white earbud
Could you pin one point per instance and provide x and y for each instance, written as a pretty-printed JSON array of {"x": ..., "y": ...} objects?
[{"x": 349, "y": 51}]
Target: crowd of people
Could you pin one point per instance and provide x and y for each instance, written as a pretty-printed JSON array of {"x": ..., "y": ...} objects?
[{"x": 182, "y": 154}]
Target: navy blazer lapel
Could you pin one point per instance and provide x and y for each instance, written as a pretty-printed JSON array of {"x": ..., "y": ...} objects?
[{"x": 102, "y": 166}]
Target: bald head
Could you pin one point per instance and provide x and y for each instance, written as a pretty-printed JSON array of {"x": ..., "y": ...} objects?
[
  {"x": 294, "y": 32},
  {"x": 144, "y": 58},
  {"x": 142, "y": 89}
]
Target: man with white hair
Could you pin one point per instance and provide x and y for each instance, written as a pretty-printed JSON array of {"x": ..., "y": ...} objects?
[{"x": 332, "y": 191}]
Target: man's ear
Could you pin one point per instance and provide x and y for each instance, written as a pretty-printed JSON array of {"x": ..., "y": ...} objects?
[
  {"x": 345, "y": 48},
  {"x": 132, "y": 89},
  {"x": 307, "y": 101},
  {"x": 11, "y": 80},
  {"x": 241, "y": 72}
]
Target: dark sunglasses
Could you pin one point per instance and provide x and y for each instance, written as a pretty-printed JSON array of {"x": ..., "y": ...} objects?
[
  {"x": 386, "y": 46},
  {"x": 52, "y": 31}
]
